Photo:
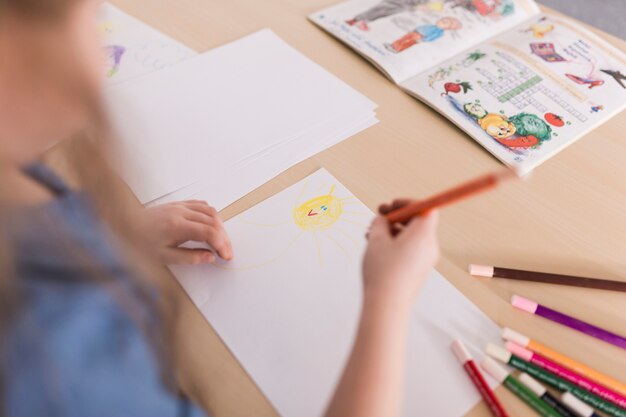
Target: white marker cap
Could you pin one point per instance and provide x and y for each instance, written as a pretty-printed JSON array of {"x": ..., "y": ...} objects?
[
  {"x": 524, "y": 304},
  {"x": 498, "y": 353},
  {"x": 461, "y": 351},
  {"x": 576, "y": 405},
  {"x": 515, "y": 337},
  {"x": 481, "y": 271},
  {"x": 532, "y": 384},
  {"x": 519, "y": 351},
  {"x": 496, "y": 371}
]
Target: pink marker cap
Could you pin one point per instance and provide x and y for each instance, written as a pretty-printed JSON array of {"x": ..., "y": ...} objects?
[
  {"x": 524, "y": 304},
  {"x": 519, "y": 351},
  {"x": 481, "y": 271}
]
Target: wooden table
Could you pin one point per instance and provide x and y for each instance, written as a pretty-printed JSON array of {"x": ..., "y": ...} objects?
[{"x": 570, "y": 218}]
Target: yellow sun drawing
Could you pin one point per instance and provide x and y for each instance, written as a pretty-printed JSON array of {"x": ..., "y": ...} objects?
[
  {"x": 319, "y": 213},
  {"x": 321, "y": 219}
]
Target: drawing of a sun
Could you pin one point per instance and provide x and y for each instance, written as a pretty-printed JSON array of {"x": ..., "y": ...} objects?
[
  {"x": 328, "y": 223},
  {"x": 320, "y": 218},
  {"x": 319, "y": 213}
]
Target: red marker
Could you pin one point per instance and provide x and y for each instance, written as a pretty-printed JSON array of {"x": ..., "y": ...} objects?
[{"x": 477, "y": 378}]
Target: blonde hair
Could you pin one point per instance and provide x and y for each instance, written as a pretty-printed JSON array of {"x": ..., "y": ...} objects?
[{"x": 83, "y": 159}]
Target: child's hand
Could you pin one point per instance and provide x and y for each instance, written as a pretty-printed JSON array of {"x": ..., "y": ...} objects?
[
  {"x": 399, "y": 259},
  {"x": 170, "y": 225}
]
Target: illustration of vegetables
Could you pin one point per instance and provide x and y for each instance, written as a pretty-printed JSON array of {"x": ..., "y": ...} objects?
[
  {"x": 527, "y": 124},
  {"x": 456, "y": 88},
  {"x": 554, "y": 120},
  {"x": 472, "y": 58},
  {"x": 523, "y": 142}
]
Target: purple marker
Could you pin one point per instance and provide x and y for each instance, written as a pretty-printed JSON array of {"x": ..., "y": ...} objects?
[{"x": 589, "y": 329}]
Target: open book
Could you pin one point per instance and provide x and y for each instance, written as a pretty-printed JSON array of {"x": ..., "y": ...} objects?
[{"x": 523, "y": 84}]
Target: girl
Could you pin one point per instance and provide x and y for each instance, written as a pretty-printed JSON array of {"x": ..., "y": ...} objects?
[{"x": 85, "y": 316}]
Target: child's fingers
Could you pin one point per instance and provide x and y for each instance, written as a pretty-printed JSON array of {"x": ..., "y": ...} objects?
[
  {"x": 199, "y": 217},
  {"x": 379, "y": 230},
  {"x": 396, "y": 229},
  {"x": 214, "y": 235},
  {"x": 201, "y": 207},
  {"x": 182, "y": 256},
  {"x": 421, "y": 228},
  {"x": 395, "y": 205},
  {"x": 201, "y": 212},
  {"x": 427, "y": 222},
  {"x": 219, "y": 241}
]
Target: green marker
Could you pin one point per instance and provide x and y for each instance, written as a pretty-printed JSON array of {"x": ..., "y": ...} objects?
[
  {"x": 554, "y": 381},
  {"x": 501, "y": 375}
]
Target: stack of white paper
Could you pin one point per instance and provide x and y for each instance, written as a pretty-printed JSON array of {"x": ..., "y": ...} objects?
[
  {"x": 219, "y": 125},
  {"x": 288, "y": 305}
]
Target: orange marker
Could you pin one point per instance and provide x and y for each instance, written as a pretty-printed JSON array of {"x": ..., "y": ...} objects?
[
  {"x": 446, "y": 198},
  {"x": 564, "y": 361}
]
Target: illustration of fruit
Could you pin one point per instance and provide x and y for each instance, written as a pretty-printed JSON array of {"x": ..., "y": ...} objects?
[
  {"x": 456, "y": 88},
  {"x": 554, "y": 120}
]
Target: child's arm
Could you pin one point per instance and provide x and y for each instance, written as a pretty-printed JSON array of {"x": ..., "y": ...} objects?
[{"x": 395, "y": 268}]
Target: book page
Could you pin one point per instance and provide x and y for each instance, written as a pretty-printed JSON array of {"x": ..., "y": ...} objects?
[
  {"x": 531, "y": 92},
  {"x": 405, "y": 37}
]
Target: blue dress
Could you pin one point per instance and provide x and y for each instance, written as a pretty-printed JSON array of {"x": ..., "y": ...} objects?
[{"x": 72, "y": 349}]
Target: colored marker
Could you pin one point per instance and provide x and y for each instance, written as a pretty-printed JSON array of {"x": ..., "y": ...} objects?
[
  {"x": 541, "y": 391},
  {"x": 564, "y": 361},
  {"x": 477, "y": 379},
  {"x": 580, "y": 408},
  {"x": 451, "y": 196},
  {"x": 568, "y": 321},
  {"x": 530, "y": 398},
  {"x": 566, "y": 374},
  {"x": 546, "y": 278},
  {"x": 554, "y": 381}
]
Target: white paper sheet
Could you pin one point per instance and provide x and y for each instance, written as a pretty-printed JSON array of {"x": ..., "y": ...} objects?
[
  {"x": 202, "y": 117},
  {"x": 288, "y": 305},
  {"x": 249, "y": 175},
  {"x": 133, "y": 48}
]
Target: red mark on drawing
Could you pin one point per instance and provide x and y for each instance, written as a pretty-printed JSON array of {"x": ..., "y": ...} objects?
[{"x": 311, "y": 214}]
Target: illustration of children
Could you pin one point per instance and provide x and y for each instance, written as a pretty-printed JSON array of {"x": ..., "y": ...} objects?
[
  {"x": 597, "y": 109},
  {"x": 486, "y": 8},
  {"x": 425, "y": 33},
  {"x": 385, "y": 8}
]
